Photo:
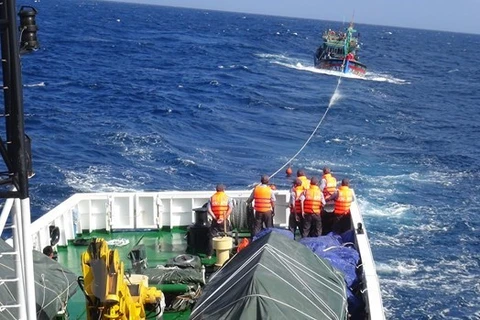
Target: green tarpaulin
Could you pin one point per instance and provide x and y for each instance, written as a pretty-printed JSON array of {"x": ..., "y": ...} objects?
[
  {"x": 274, "y": 278},
  {"x": 54, "y": 285}
]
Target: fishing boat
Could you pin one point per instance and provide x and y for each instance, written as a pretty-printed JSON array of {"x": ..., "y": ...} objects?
[
  {"x": 339, "y": 52},
  {"x": 142, "y": 255}
]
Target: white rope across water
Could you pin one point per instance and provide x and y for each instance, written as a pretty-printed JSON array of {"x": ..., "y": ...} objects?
[{"x": 333, "y": 99}]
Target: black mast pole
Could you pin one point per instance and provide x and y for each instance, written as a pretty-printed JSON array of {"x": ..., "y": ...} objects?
[
  {"x": 15, "y": 157},
  {"x": 13, "y": 99}
]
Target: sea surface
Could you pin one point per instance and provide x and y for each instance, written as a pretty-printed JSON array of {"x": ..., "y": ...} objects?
[{"x": 124, "y": 97}]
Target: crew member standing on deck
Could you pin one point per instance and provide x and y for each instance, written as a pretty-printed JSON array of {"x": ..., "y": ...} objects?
[
  {"x": 297, "y": 197},
  {"x": 313, "y": 204},
  {"x": 328, "y": 185},
  {"x": 343, "y": 198},
  {"x": 305, "y": 182},
  {"x": 264, "y": 205},
  {"x": 219, "y": 208}
]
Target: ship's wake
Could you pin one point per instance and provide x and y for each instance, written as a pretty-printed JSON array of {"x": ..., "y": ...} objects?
[{"x": 293, "y": 63}]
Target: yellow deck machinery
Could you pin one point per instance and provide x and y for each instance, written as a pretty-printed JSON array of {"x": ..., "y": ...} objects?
[{"x": 113, "y": 295}]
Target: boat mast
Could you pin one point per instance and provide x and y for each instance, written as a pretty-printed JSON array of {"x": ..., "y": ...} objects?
[{"x": 16, "y": 155}]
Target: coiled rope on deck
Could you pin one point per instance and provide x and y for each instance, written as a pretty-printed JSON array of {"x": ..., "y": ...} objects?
[{"x": 238, "y": 217}]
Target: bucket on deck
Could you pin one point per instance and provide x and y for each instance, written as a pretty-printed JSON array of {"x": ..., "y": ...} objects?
[{"x": 222, "y": 246}]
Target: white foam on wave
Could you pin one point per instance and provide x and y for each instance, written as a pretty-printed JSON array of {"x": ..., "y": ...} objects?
[
  {"x": 233, "y": 66},
  {"x": 390, "y": 242},
  {"x": 303, "y": 66},
  {"x": 380, "y": 192},
  {"x": 392, "y": 209},
  {"x": 300, "y": 66},
  {"x": 401, "y": 267},
  {"x": 99, "y": 179},
  {"x": 455, "y": 276},
  {"x": 372, "y": 76},
  {"x": 440, "y": 177},
  {"x": 169, "y": 170},
  {"x": 329, "y": 163},
  {"x": 272, "y": 56},
  {"x": 335, "y": 97},
  {"x": 336, "y": 140},
  {"x": 138, "y": 147},
  {"x": 186, "y": 162},
  {"x": 387, "y": 184},
  {"x": 40, "y": 84}
]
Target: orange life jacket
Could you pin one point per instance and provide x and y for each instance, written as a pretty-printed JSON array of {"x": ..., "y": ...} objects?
[
  {"x": 344, "y": 200},
  {"x": 262, "y": 195},
  {"x": 331, "y": 185},
  {"x": 313, "y": 200},
  {"x": 219, "y": 204},
  {"x": 305, "y": 182},
  {"x": 298, "y": 204}
]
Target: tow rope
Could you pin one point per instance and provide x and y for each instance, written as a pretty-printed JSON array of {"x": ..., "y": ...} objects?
[{"x": 333, "y": 99}]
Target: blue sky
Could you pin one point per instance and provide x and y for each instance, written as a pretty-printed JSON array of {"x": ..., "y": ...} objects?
[{"x": 445, "y": 15}]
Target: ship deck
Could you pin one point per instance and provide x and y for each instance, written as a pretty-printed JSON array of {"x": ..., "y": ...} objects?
[
  {"x": 166, "y": 215},
  {"x": 160, "y": 246}
]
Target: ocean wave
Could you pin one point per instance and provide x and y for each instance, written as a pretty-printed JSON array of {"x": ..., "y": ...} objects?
[
  {"x": 40, "y": 84},
  {"x": 100, "y": 179},
  {"x": 385, "y": 78},
  {"x": 294, "y": 63},
  {"x": 392, "y": 209},
  {"x": 400, "y": 267}
]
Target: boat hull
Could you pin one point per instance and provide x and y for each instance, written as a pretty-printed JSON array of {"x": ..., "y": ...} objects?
[{"x": 350, "y": 67}]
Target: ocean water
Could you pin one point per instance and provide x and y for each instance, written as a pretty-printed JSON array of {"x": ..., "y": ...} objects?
[{"x": 125, "y": 97}]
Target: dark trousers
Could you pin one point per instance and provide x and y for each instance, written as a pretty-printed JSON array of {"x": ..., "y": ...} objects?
[
  {"x": 312, "y": 225},
  {"x": 342, "y": 223},
  {"x": 328, "y": 218},
  {"x": 215, "y": 229},
  {"x": 261, "y": 219},
  {"x": 294, "y": 222},
  {"x": 250, "y": 219}
]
